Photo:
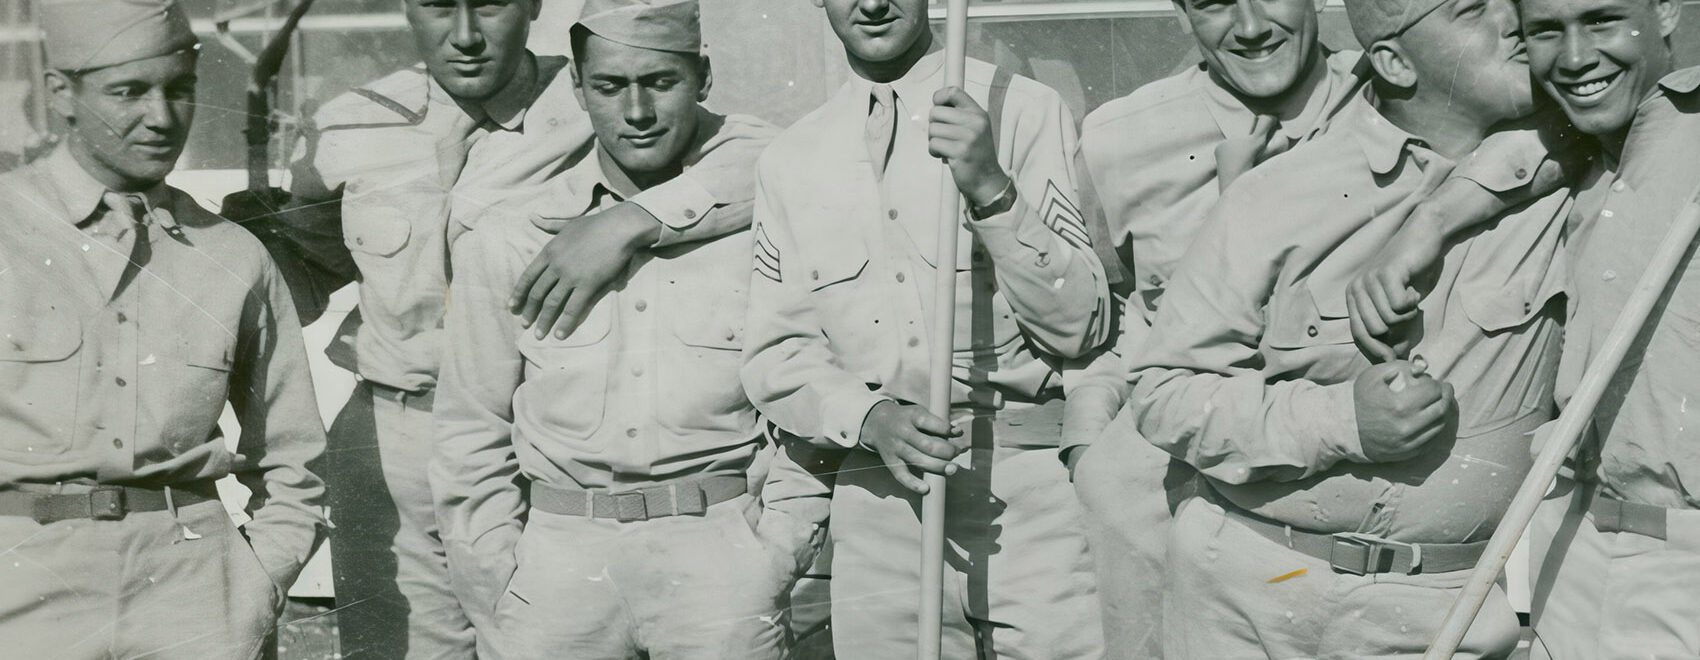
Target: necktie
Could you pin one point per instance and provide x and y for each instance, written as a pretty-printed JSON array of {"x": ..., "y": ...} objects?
[
  {"x": 123, "y": 227},
  {"x": 882, "y": 127}
]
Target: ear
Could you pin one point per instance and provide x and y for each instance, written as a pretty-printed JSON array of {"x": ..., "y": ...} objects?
[
  {"x": 1668, "y": 12},
  {"x": 1391, "y": 64},
  {"x": 707, "y": 80},
  {"x": 1180, "y": 16},
  {"x": 578, "y": 85},
  {"x": 61, "y": 92}
]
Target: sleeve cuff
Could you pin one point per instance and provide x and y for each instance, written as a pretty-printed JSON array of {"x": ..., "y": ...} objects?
[
  {"x": 1339, "y": 431},
  {"x": 679, "y": 204},
  {"x": 844, "y": 415}
]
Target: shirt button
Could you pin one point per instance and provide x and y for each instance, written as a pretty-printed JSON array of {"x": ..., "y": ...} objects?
[
  {"x": 120, "y": 382},
  {"x": 359, "y": 240},
  {"x": 1154, "y": 280},
  {"x": 1310, "y": 331},
  {"x": 731, "y": 335},
  {"x": 690, "y": 214},
  {"x": 1522, "y": 173},
  {"x": 631, "y": 433},
  {"x": 641, "y": 305},
  {"x": 1606, "y": 213},
  {"x": 900, "y": 277},
  {"x": 1617, "y": 187},
  {"x": 1609, "y": 275},
  {"x": 1527, "y": 307},
  {"x": 914, "y": 341},
  {"x": 117, "y": 443},
  {"x": 814, "y": 274},
  {"x": 891, "y": 214},
  {"x": 122, "y": 318},
  {"x": 1043, "y": 260},
  {"x": 637, "y": 371}
]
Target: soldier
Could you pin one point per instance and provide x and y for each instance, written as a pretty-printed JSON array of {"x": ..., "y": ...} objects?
[
  {"x": 1345, "y": 502},
  {"x": 846, "y": 213},
  {"x": 1160, "y": 158},
  {"x": 130, "y": 316},
  {"x": 390, "y": 172},
  {"x": 639, "y": 524},
  {"x": 1613, "y": 555}
]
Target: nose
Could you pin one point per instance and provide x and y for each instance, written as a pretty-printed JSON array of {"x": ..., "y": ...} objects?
[
  {"x": 1576, "y": 51},
  {"x": 640, "y": 107},
  {"x": 467, "y": 37},
  {"x": 1251, "y": 22},
  {"x": 873, "y": 7},
  {"x": 158, "y": 112}
]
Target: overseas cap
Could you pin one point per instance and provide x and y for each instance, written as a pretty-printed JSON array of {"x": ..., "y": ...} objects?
[
  {"x": 90, "y": 34},
  {"x": 1375, "y": 20},
  {"x": 671, "y": 25}
]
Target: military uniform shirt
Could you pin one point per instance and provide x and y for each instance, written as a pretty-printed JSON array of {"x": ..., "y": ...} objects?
[
  {"x": 405, "y": 160},
  {"x": 644, "y": 389},
  {"x": 116, "y": 373},
  {"x": 1648, "y": 422},
  {"x": 1247, "y": 373},
  {"x": 839, "y": 306}
]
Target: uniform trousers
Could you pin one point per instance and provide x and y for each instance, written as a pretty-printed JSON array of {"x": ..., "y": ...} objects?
[
  {"x": 1130, "y": 490},
  {"x": 701, "y": 587},
  {"x": 131, "y": 588},
  {"x": 1222, "y": 603},
  {"x": 1612, "y": 594},
  {"x": 1018, "y": 579},
  {"x": 392, "y": 583}
]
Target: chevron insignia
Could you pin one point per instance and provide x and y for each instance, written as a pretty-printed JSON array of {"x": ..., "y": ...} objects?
[
  {"x": 1063, "y": 217},
  {"x": 767, "y": 256}
]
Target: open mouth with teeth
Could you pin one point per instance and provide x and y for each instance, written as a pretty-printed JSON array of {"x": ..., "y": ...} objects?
[
  {"x": 1260, "y": 53},
  {"x": 1590, "y": 91}
]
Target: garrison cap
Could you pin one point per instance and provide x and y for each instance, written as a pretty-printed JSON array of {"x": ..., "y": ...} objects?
[
  {"x": 1375, "y": 20},
  {"x": 670, "y": 25},
  {"x": 90, "y": 34}
]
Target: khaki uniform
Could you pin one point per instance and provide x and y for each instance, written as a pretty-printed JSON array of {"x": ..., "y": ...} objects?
[
  {"x": 1247, "y": 376},
  {"x": 119, "y": 347},
  {"x": 838, "y": 322},
  {"x": 1616, "y": 558},
  {"x": 642, "y": 393},
  {"x": 391, "y": 172},
  {"x": 1151, "y": 156}
]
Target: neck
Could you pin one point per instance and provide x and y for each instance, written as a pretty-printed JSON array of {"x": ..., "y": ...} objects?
[
  {"x": 1446, "y": 131},
  {"x": 105, "y": 176},
  {"x": 628, "y": 183},
  {"x": 892, "y": 69}
]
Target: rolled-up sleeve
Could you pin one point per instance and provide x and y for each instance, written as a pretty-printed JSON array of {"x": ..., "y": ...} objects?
[
  {"x": 272, "y": 394},
  {"x": 474, "y": 472}
]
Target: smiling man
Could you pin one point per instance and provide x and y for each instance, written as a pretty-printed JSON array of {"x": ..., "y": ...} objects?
[
  {"x": 391, "y": 172},
  {"x": 130, "y": 316},
  {"x": 1343, "y": 503},
  {"x": 846, "y": 225},
  {"x": 650, "y": 516},
  {"x": 1616, "y": 551}
]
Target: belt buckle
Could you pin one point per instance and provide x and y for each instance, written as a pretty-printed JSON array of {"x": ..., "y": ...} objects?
[
  {"x": 1356, "y": 553},
  {"x": 106, "y": 503},
  {"x": 630, "y": 507}
]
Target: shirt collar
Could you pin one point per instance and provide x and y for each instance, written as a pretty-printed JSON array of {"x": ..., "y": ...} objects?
[
  {"x": 915, "y": 86},
  {"x": 1384, "y": 144},
  {"x": 592, "y": 180},
  {"x": 1330, "y": 69},
  {"x": 80, "y": 192},
  {"x": 1681, "y": 81}
]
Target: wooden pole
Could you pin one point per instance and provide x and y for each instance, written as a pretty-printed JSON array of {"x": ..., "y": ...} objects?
[
  {"x": 943, "y": 337},
  {"x": 1568, "y": 430}
]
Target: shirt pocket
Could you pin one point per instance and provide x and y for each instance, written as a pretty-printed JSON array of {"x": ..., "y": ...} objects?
[
  {"x": 376, "y": 230},
  {"x": 1305, "y": 343},
  {"x": 195, "y": 366},
  {"x": 570, "y": 377},
  {"x": 40, "y": 374},
  {"x": 704, "y": 293}
]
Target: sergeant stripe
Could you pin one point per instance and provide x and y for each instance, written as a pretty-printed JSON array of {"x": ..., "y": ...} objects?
[
  {"x": 766, "y": 256},
  {"x": 1063, "y": 217}
]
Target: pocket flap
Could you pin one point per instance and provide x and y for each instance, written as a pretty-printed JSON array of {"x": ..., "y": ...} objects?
[{"x": 378, "y": 231}]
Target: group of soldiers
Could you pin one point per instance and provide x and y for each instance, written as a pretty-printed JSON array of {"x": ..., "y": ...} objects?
[{"x": 1247, "y": 365}]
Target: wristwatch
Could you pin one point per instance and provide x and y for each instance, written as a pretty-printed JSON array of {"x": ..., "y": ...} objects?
[{"x": 1000, "y": 204}]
